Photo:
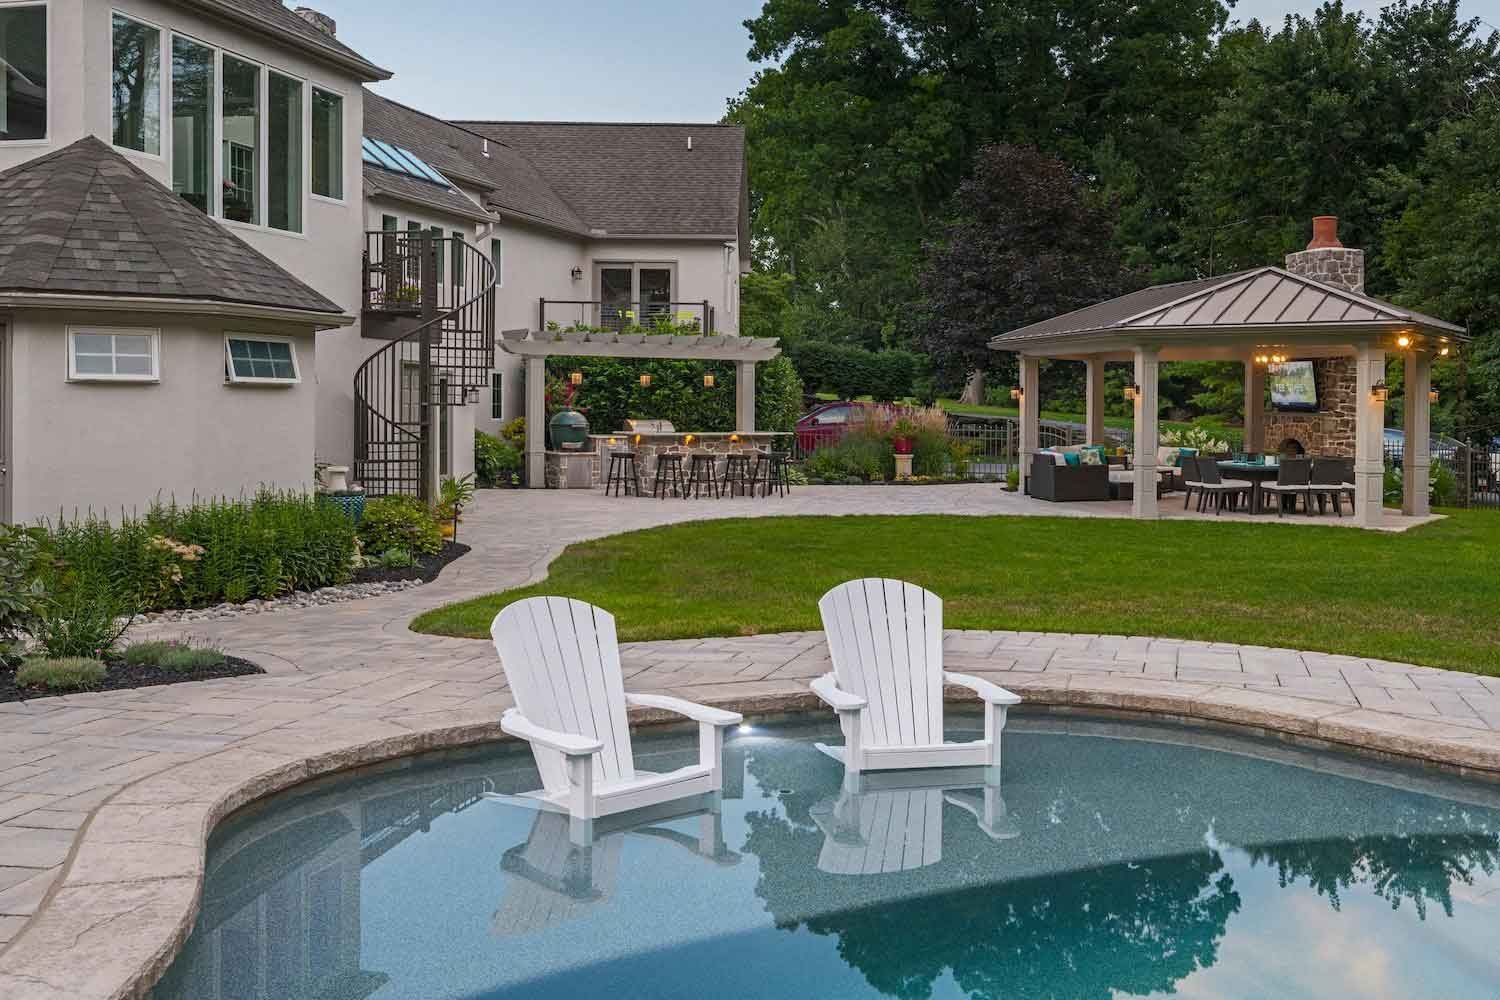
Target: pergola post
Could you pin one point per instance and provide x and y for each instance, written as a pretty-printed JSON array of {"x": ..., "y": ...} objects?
[
  {"x": 1416, "y": 452},
  {"x": 1094, "y": 400},
  {"x": 744, "y": 396},
  {"x": 1369, "y": 436},
  {"x": 1030, "y": 370},
  {"x": 1144, "y": 505},
  {"x": 1255, "y": 406},
  {"x": 536, "y": 422}
]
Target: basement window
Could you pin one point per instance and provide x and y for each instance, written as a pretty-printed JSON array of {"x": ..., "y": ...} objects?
[
  {"x": 260, "y": 360},
  {"x": 113, "y": 354}
]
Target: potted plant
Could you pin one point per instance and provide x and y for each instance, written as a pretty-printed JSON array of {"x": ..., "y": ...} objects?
[
  {"x": 453, "y": 496},
  {"x": 902, "y": 433}
]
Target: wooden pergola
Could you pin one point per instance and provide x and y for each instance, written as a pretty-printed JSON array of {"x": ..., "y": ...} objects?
[
  {"x": 1247, "y": 318},
  {"x": 537, "y": 347}
]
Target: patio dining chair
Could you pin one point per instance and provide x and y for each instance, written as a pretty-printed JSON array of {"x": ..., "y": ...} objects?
[
  {"x": 1333, "y": 478},
  {"x": 1217, "y": 490},
  {"x": 1293, "y": 479},
  {"x": 1192, "y": 480}
]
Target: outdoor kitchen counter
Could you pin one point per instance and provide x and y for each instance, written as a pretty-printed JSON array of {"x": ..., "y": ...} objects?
[{"x": 649, "y": 444}]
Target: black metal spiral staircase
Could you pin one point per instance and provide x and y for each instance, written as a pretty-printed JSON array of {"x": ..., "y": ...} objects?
[{"x": 434, "y": 299}]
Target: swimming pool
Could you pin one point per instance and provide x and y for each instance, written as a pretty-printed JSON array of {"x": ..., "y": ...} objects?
[{"x": 1108, "y": 859}]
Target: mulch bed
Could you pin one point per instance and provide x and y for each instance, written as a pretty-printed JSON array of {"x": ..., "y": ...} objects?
[
  {"x": 122, "y": 676},
  {"x": 426, "y": 569}
]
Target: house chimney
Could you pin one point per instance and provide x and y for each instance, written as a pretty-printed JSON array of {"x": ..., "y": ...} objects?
[
  {"x": 1327, "y": 260},
  {"x": 318, "y": 20}
]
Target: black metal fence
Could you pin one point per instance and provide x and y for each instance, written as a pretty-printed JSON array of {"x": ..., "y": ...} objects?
[
  {"x": 622, "y": 315},
  {"x": 1469, "y": 476}
]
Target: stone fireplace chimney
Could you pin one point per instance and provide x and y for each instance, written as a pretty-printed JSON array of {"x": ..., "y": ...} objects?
[
  {"x": 318, "y": 20},
  {"x": 1327, "y": 260}
]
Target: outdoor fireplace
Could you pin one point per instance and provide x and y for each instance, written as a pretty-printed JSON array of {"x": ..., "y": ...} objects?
[{"x": 1291, "y": 448}]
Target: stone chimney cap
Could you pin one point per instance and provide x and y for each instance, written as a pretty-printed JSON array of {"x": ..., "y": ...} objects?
[
  {"x": 318, "y": 20},
  {"x": 1325, "y": 233}
]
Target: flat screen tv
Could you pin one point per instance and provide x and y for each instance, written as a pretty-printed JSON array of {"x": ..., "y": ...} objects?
[{"x": 1293, "y": 386}]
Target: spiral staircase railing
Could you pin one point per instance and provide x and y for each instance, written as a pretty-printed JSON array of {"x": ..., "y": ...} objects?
[{"x": 434, "y": 297}]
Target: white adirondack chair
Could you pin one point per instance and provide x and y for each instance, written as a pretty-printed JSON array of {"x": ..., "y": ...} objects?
[
  {"x": 886, "y": 640},
  {"x": 563, "y": 664}
]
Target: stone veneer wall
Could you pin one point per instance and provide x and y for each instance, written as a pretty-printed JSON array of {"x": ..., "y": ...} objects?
[
  {"x": 1337, "y": 266},
  {"x": 1330, "y": 431}
]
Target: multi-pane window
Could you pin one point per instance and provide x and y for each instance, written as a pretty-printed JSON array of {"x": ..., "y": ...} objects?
[
  {"x": 260, "y": 360},
  {"x": 497, "y": 258},
  {"x": 23, "y": 72},
  {"x": 327, "y": 144},
  {"x": 497, "y": 409},
  {"x": 192, "y": 123},
  {"x": 239, "y": 133},
  {"x": 283, "y": 153},
  {"x": 114, "y": 354},
  {"x": 136, "y": 85},
  {"x": 389, "y": 223},
  {"x": 458, "y": 259},
  {"x": 437, "y": 239}
]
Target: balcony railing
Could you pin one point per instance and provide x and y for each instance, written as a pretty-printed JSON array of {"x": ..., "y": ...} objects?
[
  {"x": 618, "y": 315},
  {"x": 394, "y": 265}
]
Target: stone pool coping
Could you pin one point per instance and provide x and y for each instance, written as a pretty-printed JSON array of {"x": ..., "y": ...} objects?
[{"x": 129, "y": 890}]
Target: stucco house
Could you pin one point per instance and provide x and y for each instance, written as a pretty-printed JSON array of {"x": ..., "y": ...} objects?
[{"x": 194, "y": 200}]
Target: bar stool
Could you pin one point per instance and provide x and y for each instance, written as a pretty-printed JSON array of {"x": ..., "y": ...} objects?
[
  {"x": 701, "y": 476},
  {"x": 771, "y": 473},
  {"x": 669, "y": 476},
  {"x": 737, "y": 475},
  {"x": 623, "y": 474}
]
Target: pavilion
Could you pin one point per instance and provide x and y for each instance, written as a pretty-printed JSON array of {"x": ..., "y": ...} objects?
[{"x": 1313, "y": 309}]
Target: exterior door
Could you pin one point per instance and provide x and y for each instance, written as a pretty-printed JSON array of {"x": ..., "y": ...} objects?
[
  {"x": 5, "y": 473},
  {"x": 616, "y": 296},
  {"x": 656, "y": 293}
]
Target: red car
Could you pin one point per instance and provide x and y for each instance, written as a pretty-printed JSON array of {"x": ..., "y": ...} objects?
[{"x": 828, "y": 422}]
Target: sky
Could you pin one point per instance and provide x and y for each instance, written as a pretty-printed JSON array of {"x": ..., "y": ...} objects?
[{"x": 596, "y": 60}]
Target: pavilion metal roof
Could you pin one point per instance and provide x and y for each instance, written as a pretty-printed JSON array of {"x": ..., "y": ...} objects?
[{"x": 1266, "y": 300}]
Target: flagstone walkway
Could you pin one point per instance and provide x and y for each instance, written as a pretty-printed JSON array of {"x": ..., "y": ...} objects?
[{"x": 106, "y": 798}]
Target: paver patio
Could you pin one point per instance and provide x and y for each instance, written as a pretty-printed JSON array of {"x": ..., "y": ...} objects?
[{"x": 342, "y": 676}]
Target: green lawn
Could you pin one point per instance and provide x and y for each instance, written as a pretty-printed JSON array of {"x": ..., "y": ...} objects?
[{"x": 1427, "y": 596}]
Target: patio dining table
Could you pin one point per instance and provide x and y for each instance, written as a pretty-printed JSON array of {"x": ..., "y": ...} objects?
[{"x": 1257, "y": 473}]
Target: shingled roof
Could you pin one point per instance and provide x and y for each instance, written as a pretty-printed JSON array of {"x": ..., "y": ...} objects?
[
  {"x": 631, "y": 179},
  {"x": 274, "y": 18},
  {"x": 83, "y": 220}
]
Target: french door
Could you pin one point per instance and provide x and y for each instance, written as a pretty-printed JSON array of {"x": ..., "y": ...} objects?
[{"x": 634, "y": 293}]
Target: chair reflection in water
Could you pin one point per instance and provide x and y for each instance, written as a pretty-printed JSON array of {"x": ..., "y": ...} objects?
[
  {"x": 893, "y": 822},
  {"x": 554, "y": 879}
]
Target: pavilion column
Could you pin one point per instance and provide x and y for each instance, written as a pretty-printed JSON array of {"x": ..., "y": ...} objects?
[
  {"x": 536, "y": 423},
  {"x": 744, "y": 397},
  {"x": 1255, "y": 406},
  {"x": 1147, "y": 363},
  {"x": 1094, "y": 400},
  {"x": 1417, "y": 451},
  {"x": 1369, "y": 436},
  {"x": 1031, "y": 415}
]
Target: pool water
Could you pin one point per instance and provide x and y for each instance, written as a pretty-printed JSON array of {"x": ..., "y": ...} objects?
[{"x": 1108, "y": 859}]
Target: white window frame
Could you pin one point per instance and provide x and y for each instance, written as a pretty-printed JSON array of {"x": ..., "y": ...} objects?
[
  {"x": 130, "y": 331},
  {"x": 230, "y": 378},
  {"x": 497, "y": 395},
  {"x": 51, "y": 66},
  {"x": 163, "y": 101},
  {"x": 498, "y": 242},
  {"x": 343, "y": 153}
]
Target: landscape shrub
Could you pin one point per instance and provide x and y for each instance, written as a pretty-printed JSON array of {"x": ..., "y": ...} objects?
[
  {"x": 71, "y": 673},
  {"x": 87, "y": 618},
  {"x": 514, "y": 433},
  {"x": 24, "y": 560},
  {"x": 395, "y": 559},
  {"x": 495, "y": 461},
  {"x": 184, "y": 658},
  {"x": 400, "y": 522},
  {"x": 865, "y": 456},
  {"x": 204, "y": 553},
  {"x": 852, "y": 372}
]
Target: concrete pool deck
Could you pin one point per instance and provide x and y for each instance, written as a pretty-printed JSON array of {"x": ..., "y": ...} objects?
[{"x": 107, "y": 799}]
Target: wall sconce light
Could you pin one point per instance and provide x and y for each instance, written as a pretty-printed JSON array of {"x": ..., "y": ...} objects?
[
  {"x": 708, "y": 381},
  {"x": 1432, "y": 395},
  {"x": 1132, "y": 391},
  {"x": 1380, "y": 392},
  {"x": 1017, "y": 393},
  {"x": 612, "y": 441},
  {"x": 1443, "y": 352},
  {"x": 471, "y": 397},
  {"x": 645, "y": 381},
  {"x": 637, "y": 439},
  {"x": 577, "y": 273},
  {"x": 576, "y": 378},
  {"x": 1403, "y": 341}
]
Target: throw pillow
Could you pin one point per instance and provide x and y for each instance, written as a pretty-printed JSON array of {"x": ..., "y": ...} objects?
[
  {"x": 1073, "y": 458},
  {"x": 1185, "y": 452},
  {"x": 1092, "y": 456},
  {"x": 1059, "y": 457}
]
